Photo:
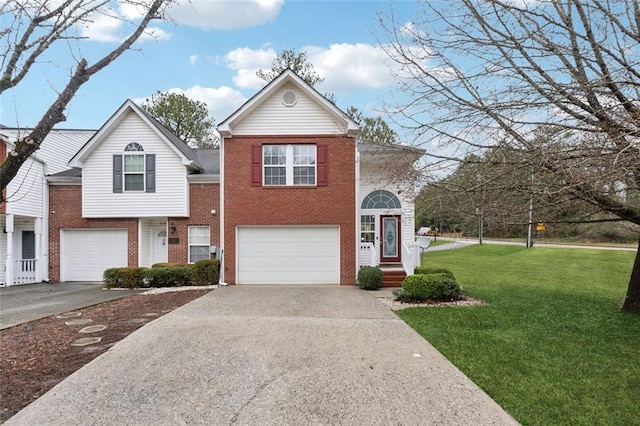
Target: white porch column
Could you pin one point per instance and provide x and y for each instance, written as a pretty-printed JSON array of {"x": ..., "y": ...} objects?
[
  {"x": 9, "y": 264},
  {"x": 37, "y": 230}
]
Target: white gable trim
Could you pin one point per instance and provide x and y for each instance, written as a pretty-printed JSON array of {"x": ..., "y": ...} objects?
[
  {"x": 86, "y": 151},
  {"x": 225, "y": 128}
]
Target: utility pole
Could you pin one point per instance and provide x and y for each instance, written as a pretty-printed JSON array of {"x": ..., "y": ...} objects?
[
  {"x": 480, "y": 223},
  {"x": 530, "y": 227}
]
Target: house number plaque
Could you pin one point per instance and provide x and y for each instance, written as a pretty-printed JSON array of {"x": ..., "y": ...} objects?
[{"x": 174, "y": 240}]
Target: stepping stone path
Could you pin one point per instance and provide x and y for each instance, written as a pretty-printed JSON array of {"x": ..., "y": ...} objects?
[
  {"x": 85, "y": 341},
  {"x": 93, "y": 328},
  {"x": 79, "y": 321},
  {"x": 68, "y": 315}
]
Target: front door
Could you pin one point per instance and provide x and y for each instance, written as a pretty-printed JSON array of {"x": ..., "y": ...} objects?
[
  {"x": 158, "y": 245},
  {"x": 389, "y": 239}
]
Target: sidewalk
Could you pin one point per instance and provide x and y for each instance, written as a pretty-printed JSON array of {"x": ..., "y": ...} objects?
[{"x": 270, "y": 355}]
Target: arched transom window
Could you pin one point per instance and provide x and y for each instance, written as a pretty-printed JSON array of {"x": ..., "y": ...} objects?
[{"x": 381, "y": 199}]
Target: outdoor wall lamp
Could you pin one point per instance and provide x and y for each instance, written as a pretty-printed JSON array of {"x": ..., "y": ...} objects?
[{"x": 172, "y": 228}]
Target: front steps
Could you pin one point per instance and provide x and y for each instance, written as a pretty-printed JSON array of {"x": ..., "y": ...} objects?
[{"x": 393, "y": 275}]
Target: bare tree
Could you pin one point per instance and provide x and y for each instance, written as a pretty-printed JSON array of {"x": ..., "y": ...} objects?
[
  {"x": 35, "y": 26},
  {"x": 556, "y": 81}
]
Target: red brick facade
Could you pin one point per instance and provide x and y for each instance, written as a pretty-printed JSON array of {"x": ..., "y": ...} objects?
[
  {"x": 203, "y": 199},
  {"x": 65, "y": 212},
  {"x": 333, "y": 204}
]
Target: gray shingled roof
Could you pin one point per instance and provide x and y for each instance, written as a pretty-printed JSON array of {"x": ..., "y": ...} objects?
[
  {"x": 209, "y": 160},
  {"x": 182, "y": 146}
]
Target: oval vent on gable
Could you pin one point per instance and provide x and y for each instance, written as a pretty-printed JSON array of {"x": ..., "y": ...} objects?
[{"x": 289, "y": 98}]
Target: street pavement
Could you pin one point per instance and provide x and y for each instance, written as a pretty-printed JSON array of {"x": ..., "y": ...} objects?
[
  {"x": 270, "y": 355},
  {"x": 28, "y": 302}
]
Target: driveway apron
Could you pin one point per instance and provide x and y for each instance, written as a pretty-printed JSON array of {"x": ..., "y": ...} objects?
[{"x": 270, "y": 355}]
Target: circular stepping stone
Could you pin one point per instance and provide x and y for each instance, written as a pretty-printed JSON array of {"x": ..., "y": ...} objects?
[
  {"x": 68, "y": 315},
  {"x": 93, "y": 328},
  {"x": 86, "y": 341},
  {"x": 79, "y": 322}
]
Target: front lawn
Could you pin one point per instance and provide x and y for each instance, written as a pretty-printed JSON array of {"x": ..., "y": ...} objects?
[{"x": 551, "y": 346}]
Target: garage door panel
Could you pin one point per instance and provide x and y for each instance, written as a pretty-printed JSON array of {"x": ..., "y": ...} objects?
[
  {"x": 85, "y": 254},
  {"x": 288, "y": 255}
]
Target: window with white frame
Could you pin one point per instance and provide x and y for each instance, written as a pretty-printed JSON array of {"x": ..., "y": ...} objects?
[
  {"x": 199, "y": 237},
  {"x": 287, "y": 165},
  {"x": 367, "y": 228},
  {"x": 133, "y": 167}
]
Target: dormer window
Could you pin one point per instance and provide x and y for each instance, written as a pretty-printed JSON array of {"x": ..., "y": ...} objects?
[{"x": 134, "y": 171}]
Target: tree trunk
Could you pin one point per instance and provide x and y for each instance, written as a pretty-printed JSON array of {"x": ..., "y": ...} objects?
[{"x": 632, "y": 300}]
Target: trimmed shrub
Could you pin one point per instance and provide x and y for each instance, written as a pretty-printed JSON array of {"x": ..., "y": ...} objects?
[
  {"x": 124, "y": 277},
  {"x": 424, "y": 270},
  {"x": 205, "y": 272},
  {"x": 165, "y": 265},
  {"x": 431, "y": 286},
  {"x": 370, "y": 278},
  {"x": 111, "y": 278},
  {"x": 175, "y": 276}
]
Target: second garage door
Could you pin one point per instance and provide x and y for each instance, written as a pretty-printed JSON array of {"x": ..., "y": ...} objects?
[
  {"x": 288, "y": 255},
  {"x": 86, "y": 253}
]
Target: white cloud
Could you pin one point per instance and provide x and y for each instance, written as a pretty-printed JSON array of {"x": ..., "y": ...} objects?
[
  {"x": 247, "y": 62},
  {"x": 221, "y": 101},
  {"x": 224, "y": 15},
  {"x": 345, "y": 67},
  {"x": 193, "y": 59},
  {"x": 102, "y": 27},
  {"x": 154, "y": 33},
  {"x": 349, "y": 67}
]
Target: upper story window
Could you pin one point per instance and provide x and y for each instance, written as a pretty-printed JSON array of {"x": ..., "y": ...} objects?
[
  {"x": 289, "y": 165},
  {"x": 133, "y": 167},
  {"x": 134, "y": 170}
]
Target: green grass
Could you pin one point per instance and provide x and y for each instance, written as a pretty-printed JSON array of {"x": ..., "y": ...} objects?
[{"x": 551, "y": 347}]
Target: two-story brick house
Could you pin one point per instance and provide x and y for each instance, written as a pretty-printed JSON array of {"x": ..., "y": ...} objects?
[
  {"x": 137, "y": 195},
  {"x": 289, "y": 197}
]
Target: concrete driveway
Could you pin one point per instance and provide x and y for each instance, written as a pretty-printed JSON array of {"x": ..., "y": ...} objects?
[
  {"x": 24, "y": 303},
  {"x": 270, "y": 355}
]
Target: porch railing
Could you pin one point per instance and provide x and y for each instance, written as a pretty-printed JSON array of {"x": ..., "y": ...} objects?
[
  {"x": 24, "y": 271},
  {"x": 368, "y": 255},
  {"x": 410, "y": 257}
]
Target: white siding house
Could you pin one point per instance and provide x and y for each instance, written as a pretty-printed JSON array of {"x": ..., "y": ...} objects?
[{"x": 24, "y": 238}]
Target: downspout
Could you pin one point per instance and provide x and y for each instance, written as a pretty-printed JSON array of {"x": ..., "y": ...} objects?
[
  {"x": 357, "y": 209},
  {"x": 44, "y": 238},
  {"x": 222, "y": 212}
]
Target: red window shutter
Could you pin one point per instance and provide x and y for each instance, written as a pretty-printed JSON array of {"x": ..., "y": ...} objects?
[
  {"x": 323, "y": 164},
  {"x": 256, "y": 165}
]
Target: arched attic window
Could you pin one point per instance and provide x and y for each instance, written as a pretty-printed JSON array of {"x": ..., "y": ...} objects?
[{"x": 380, "y": 199}]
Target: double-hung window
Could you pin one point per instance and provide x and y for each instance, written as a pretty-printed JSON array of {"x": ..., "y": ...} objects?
[
  {"x": 133, "y": 167},
  {"x": 199, "y": 237},
  {"x": 289, "y": 165},
  {"x": 134, "y": 170}
]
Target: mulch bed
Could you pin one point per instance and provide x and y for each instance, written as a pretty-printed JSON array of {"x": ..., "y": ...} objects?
[{"x": 37, "y": 355}]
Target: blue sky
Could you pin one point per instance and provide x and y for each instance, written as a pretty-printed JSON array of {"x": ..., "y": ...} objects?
[{"x": 211, "y": 52}]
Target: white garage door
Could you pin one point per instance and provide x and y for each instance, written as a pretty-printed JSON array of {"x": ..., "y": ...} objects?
[
  {"x": 85, "y": 254},
  {"x": 288, "y": 255}
]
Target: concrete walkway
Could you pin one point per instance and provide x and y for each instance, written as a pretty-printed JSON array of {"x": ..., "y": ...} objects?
[
  {"x": 270, "y": 355},
  {"x": 28, "y": 302}
]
